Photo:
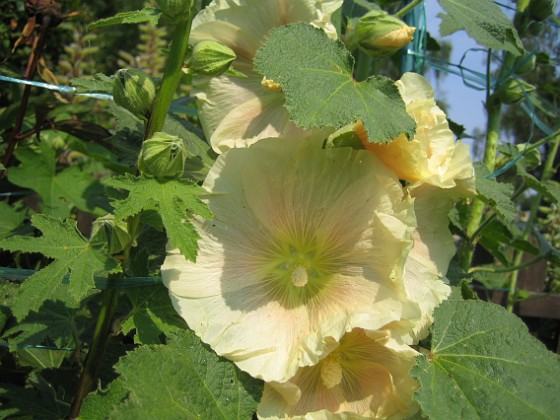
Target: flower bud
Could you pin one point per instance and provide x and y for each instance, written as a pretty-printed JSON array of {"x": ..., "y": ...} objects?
[
  {"x": 541, "y": 9},
  {"x": 380, "y": 34},
  {"x": 210, "y": 58},
  {"x": 175, "y": 8},
  {"x": 513, "y": 91},
  {"x": 134, "y": 90},
  {"x": 114, "y": 232},
  {"x": 163, "y": 155},
  {"x": 524, "y": 64}
]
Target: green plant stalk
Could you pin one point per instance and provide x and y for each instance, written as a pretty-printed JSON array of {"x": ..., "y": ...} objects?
[
  {"x": 171, "y": 77},
  {"x": 100, "y": 338},
  {"x": 160, "y": 107},
  {"x": 476, "y": 212},
  {"x": 548, "y": 172},
  {"x": 408, "y": 8},
  {"x": 103, "y": 327}
]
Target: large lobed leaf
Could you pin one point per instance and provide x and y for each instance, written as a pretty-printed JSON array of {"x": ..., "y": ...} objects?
[
  {"x": 72, "y": 254},
  {"x": 497, "y": 195},
  {"x": 59, "y": 191},
  {"x": 484, "y": 364},
  {"x": 172, "y": 198},
  {"x": 315, "y": 74},
  {"x": 484, "y": 21},
  {"x": 152, "y": 314},
  {"x": 182, "y": 380}
]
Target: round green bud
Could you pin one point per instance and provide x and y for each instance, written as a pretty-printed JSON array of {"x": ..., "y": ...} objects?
[
  {"x": 513, "y": 91},
  {"x": 524, "y": 64},
  {"x": 107, "y": 229},
  {"x": 379, "y": 34},
  {"x": 175, "y": 8},
  {"x": 163, "y": 155},
  {"x": 541, "y": 9},
  {"x": 134, "y": 90},
  {"x": 210, "y": 58}
]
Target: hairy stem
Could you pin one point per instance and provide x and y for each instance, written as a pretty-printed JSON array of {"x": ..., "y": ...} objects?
[
  {"x": 548, "y": 172},
  {"x": 494, "y": 110},
  {"x": 171, "y": 77},
  {"x": 100, "y": 338},
  {"x": 408, "y": 8}
]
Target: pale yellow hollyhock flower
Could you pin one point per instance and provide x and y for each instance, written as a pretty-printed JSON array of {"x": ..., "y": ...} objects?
[
  {"x": 432, "y": 156},
  {"x": 236, "y": 111},
  {"x": 306, "y": 244},
  {"x": 366, "y": 376},
  {"x": 427, "y": 263}
]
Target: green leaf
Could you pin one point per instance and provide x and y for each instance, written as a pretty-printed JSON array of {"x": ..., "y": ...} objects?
[
  {"x": 315, "y": 74},
  {"x": 147, "y": 14},
  {"x": 55, "y": 325},
  {"x": 41, "y": 401},
  {"x": 549, "y": 190},
  {"x": 495, "y": 194},
  {"x": 152, "y": 314},
  {"x": 61, "y": 191},
  {"x": 174, "y": 199},
  {"x": 98, "y": 83},
  {"x": 484, "y": 364},
  {"x": 100, "y": 405},
  {"x": 72, "y": 254},
  {"x": 12, "y": 218},
  {"x": 484, "y": 21},
  {"x": 182, "y": 380}
]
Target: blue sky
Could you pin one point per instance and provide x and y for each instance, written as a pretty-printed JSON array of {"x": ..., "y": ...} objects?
[{"x": 466, "y": 104}]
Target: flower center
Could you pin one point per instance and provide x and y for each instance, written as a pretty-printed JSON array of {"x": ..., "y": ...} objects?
[
  {"x": 299, "y": 276},
  {"x": 331, "y": 371},
  {"x": 271, "y": 85}
]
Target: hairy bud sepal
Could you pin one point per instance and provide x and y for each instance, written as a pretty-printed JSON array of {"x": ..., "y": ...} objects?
[
  {"x": 210, "y": 58},
  {"x": 134, "y": 90},
  {"x": 163, "y": 155}
]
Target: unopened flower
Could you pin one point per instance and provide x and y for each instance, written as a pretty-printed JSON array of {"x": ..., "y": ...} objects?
[
  {"x": 306, "y": 244},
  {"x": 365, "y": 376},
  {"x": 210, "y": 58},
  {"x": 163, "y": 155},
  {"x": 379, "y": 34},
  {"x": 134, "y": 90},
  {"x": 238, "y": 111},
  {"x": 433, "y": 156}
]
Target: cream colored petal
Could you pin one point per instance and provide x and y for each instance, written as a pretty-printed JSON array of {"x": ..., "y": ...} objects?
[
  {"x": 433, "y": 156},
  {"x": 266, "y": 199},
  {"x": 375, "y": 383},
  {"x": 426, "y": 264},
  {"x": 236, "y": 112}
]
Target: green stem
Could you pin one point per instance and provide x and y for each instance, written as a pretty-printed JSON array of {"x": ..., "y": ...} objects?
[
  {"x": 494, "y": 109},
  {"x": 513, "y": 269},
  {"x": 171, "y": 78},
  {"x": 548, "y": 172},
  {"x": 100, "y": 338},
  {"x": 408, "y": 8}
]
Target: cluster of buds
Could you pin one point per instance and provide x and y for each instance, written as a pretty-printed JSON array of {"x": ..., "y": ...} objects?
[{"x": 379, "y": 34}]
